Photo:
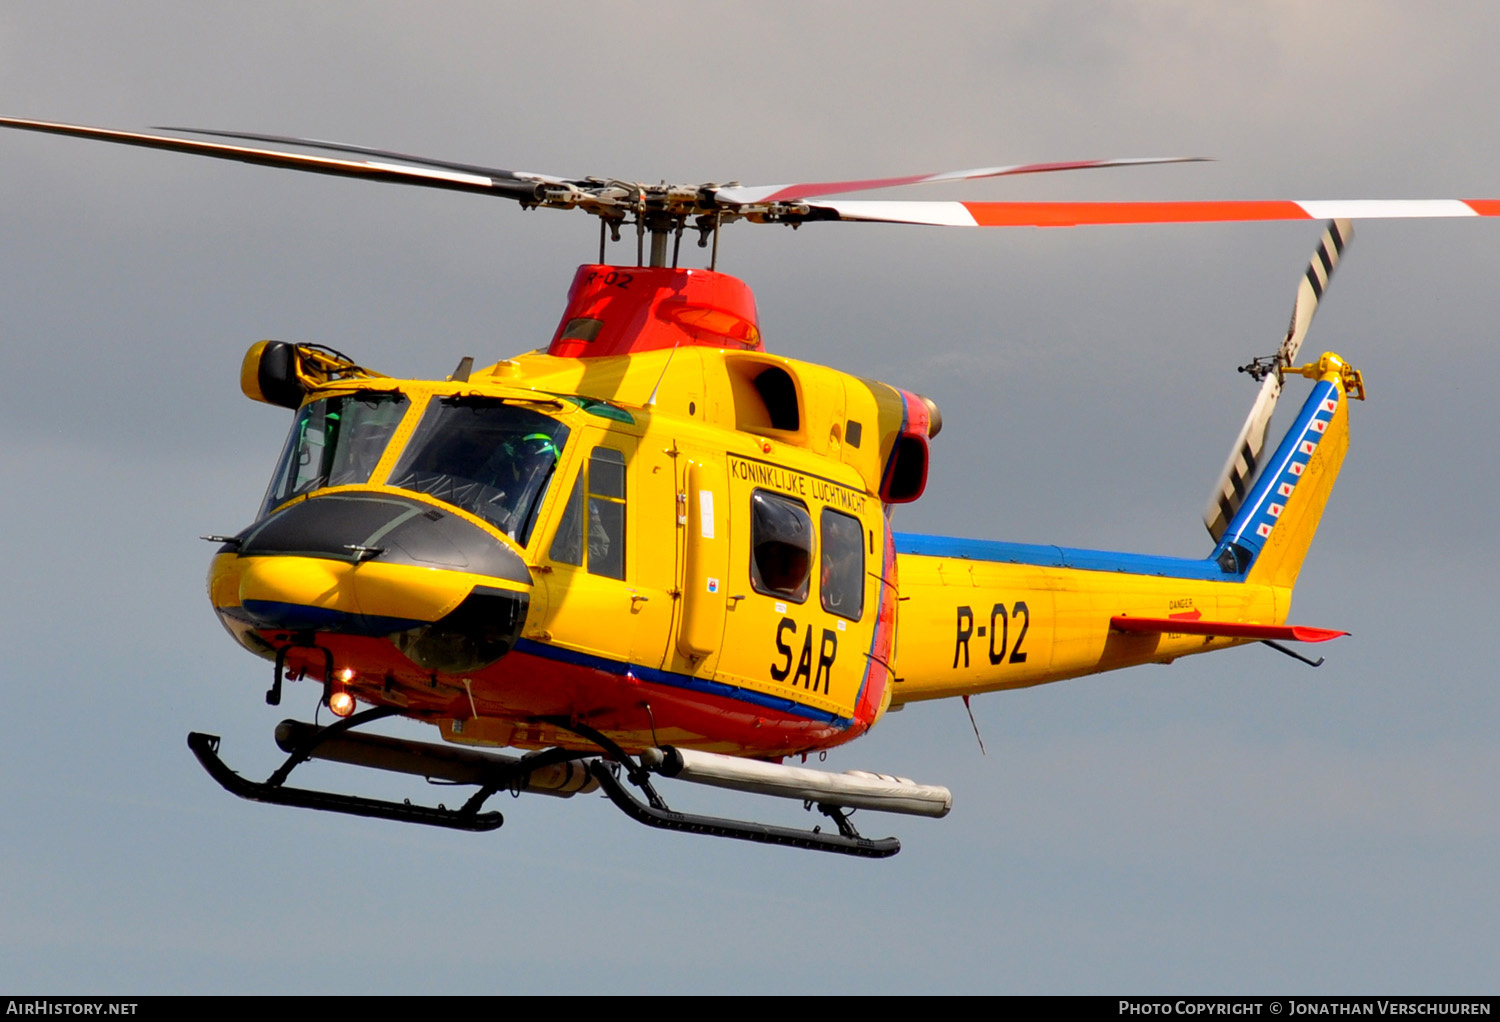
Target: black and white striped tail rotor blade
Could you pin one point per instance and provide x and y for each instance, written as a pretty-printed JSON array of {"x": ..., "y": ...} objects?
[
  {"x": 1244, "y": 455},
  {"x": 1319, "y": 272}
]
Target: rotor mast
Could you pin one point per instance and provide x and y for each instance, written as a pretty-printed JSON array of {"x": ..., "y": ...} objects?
[{"x": 661, "y": 213}]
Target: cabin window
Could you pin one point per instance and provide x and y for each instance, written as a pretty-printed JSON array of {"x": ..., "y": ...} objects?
[
  {"x": 488, "y": 457},
  {"x": 335, "y": 441},
  {"x": 841, "y": 582},
  {"x": 567, "y": 545},
  {"x": 607, "y": 513},
  {"x": 604, "y": 482},
  {"x": 780, "y": 546}
]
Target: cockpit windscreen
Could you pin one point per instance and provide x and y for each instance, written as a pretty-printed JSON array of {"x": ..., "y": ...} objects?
[
  {"x": 335, "y": 441},
  {"x": 491, "y": 458}
]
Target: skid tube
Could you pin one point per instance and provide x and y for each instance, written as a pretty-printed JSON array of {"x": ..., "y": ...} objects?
[
  {"x": 493, "y": 774},
  {"x": 655, "y": 812}
]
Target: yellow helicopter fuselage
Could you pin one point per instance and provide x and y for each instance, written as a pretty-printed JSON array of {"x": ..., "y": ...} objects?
[{"x": 706, "y": 562}]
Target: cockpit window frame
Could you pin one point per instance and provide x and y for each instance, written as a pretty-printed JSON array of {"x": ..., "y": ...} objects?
[
  {"x": 284, "y": 486},
  {"x": 521, "y": 511}
]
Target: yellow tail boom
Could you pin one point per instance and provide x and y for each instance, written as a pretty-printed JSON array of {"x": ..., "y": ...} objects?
[{"x": 977, "y": 616}]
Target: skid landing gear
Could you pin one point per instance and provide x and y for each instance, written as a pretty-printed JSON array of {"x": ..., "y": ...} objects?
[
  {"x": 206, "y": 748},
  {"x": 655, "y": 812},
  {"x": 554, "y": 772},
  {"x": 558, "y": 772}
]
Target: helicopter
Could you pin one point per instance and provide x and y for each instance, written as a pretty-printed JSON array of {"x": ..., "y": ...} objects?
[{"x": 654, "y": 550}]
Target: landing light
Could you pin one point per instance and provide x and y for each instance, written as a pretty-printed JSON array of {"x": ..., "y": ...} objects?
[{"x": 341, "y": 703}]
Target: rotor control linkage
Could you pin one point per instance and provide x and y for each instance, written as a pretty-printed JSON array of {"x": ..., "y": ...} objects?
[{"x": 1261, "y": 366}]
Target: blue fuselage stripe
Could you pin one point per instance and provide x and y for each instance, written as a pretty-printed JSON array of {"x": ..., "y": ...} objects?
[
  {"x": 299, "y": 616},
  {"x": 1047, "y": 556},
  {"x": 653, "y": 676}
]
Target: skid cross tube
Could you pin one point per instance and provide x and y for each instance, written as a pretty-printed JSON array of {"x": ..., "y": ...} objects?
[
  {"x": 206, "y": 748},
  {"x": 848, "y": 842},
  {"x": 516, "y": 778},
  {"x": 273, "y": 789},
  {"x": 302, "y": 743},
  {"x": 300, "y": 754},
  {"x": 656, "y": 813}
]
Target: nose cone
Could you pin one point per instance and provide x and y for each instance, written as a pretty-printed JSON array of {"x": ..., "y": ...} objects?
[
  {"x": 449, "y": 594},
  {"x": 296, "y": 593}
]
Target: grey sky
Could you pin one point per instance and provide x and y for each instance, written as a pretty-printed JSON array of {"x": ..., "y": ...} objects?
[{"x": 1228, "y": 823}]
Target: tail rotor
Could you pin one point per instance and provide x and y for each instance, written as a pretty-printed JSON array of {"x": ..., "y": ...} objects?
[{"x": 1244, "y": 455}]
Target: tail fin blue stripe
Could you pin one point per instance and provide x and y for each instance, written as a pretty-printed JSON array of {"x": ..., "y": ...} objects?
[{"x": 1257, "y": 516}]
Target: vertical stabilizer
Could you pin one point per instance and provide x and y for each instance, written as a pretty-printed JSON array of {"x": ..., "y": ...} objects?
[{"x": 1275, "y": 525}]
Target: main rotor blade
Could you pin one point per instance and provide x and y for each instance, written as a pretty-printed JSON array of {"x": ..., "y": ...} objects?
[
  {"x": 1077, "y": 214},
  {"x": 745, "y": 194},
  {"x": 343, "y": 147},
  {"x": 1244, "y": 454},
  {"x": 427, "y": 177}
]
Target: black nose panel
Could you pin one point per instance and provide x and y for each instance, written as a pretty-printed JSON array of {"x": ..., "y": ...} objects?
[
  {"x": 478, "y": 632},
  {"x": 393, "y": 530}
]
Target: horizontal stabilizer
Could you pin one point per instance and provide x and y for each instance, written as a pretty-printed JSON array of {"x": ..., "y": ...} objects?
[{"x": 1222, "y": 629}]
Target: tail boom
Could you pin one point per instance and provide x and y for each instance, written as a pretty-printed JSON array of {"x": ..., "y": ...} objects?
[
  {"x": 977, "y": 616},
  {"x": 970, "y": 625}
]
